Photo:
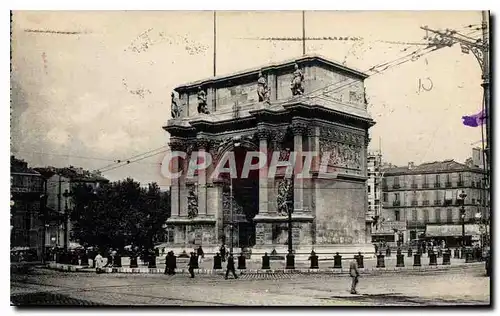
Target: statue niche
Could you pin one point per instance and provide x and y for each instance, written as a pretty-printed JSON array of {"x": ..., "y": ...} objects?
[
  {"x": 296, "y": 84},
  {"x": 263, "y": 90},
  {"x": 202, "y": 102},
  {"x": 174, "y": 108}
]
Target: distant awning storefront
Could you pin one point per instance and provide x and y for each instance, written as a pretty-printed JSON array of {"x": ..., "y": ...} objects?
[
  {"x": 389, "y": 228},
  {"x": 451, "y": 230}
]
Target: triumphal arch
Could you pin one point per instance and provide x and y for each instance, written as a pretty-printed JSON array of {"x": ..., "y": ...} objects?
[{"x": 309, "y": 104}]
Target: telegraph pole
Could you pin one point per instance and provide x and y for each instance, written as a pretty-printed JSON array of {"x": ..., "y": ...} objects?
[
  {"x": 303, "y": 32},
  {"x": 480, "y": 49}
]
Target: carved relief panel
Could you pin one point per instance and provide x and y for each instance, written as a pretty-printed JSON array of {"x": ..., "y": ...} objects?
[
  {"x": 192, "y": 198},
  {"x": 345, "y": 149}
]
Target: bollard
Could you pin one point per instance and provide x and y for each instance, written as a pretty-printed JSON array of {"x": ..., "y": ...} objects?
[
  {"x": 133, "y": 262},
  {"x": 400, "y": 259},
  {"x": 117, "y": 262},
  {"x": 290, "y": 261},
  {"x": 217, "y": 262},
  {"x": 410, "y": 252},
  {"x": 380, "y": 260},
  {"x": 432, "y": 259},
  {"x": 337, "y": 261},
  {"x": 416, "y": 260},
  {"x": 242, "y": 262},
  {"x": 265, "y": 262},
  {"x": 85, "y": 260},
  {"x": 152, "y": 261},
  {"x": 314, "y": 260},
  {"x": 446, "y": 257},
  {"x": 359, "y": 259},
  {"x": 388, "y": 252}
]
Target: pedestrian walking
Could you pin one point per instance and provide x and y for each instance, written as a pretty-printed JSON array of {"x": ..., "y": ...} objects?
[
  {"x": 201, "y": 254},
  {"x": 170, "y": 263},
  {"x": 192, "y": 264},
  {"x": 230, "y": 266},
  {"x": 98, "y": 260},
  {"x": 353, "y": 271}
]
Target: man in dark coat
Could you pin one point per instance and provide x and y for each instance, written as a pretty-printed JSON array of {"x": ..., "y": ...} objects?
[
  {"x": 169, "y": 264},
  {"x": 192, "y": 263},
  {"x": 230, "y": 266},
  {"x": 223, "y": 253}
]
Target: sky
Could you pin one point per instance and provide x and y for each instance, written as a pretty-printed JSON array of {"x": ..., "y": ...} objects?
[{"x": 92, "y": 87}]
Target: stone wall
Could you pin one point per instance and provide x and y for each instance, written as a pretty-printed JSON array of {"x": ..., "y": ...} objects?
[
  {"x": 353, "y": 94},
  {"x": 194, "y": 234},
  {"x": 340, "y": 212}
]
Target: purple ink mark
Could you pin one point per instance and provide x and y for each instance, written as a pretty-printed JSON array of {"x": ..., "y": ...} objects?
[{"x": 474, "y": 120}]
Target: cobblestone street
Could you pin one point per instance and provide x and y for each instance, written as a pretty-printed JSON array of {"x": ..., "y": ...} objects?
[{"x": 45, "y": 287}]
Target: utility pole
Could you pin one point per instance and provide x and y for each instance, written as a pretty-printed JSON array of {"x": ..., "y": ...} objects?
[
  {"x": 480, "y": 49},
  {"x": 303, "y": 32},
  {"x": 59, "y": 196},
  {"x": 215, "y": 43}
]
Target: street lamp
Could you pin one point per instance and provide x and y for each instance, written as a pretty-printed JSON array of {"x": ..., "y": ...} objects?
[
  {"x": 290, "y": 258},
  {"x": 462, "y": 196},
  {"x": 66, "y": 195}
]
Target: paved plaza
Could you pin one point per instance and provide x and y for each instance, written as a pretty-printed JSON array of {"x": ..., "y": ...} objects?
[{"x": 464, "y": 285}]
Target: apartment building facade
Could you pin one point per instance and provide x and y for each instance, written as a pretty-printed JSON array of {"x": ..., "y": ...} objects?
[{"x": 424, "y": 201}]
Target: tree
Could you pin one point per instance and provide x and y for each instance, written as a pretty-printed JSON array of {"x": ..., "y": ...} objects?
[{"x": 119, "y": 214}]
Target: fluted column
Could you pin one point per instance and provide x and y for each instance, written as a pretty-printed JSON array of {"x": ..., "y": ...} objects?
[
  {"x": 175, "y": 182},
  {"x": 298, "y": 128},
  {"x": 202, "y": 145},
  {"x": 263, "y": 134}
]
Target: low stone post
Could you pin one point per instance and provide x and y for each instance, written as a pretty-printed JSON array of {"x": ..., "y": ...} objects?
[
  {"x": 416, "y": 260},
  {"x": 84, "y": 260},
  {"x": 400, "y": 259},
  {"x": 432, "y": 258},
  {"x": 152, "y": 261},
  {"x": 446, "y": 257},
  {"x": 133, "y": 262},
  {"x": 337, "y": 261},
  {"x": 217, "y": 261},
  {"x": 242, "y": 262},
  {"x": 314, "y": 260},
  {"x": 359, "y": 260},
  {"x": 265, "y": 262},
  {"x": 380, "y": 260}
]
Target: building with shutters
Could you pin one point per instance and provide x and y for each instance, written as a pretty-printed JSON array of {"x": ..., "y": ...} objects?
[{"x": 422, "y": 201}]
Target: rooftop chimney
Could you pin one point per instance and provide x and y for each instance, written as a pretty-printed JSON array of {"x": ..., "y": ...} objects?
[{"x": 410, "y": 165}]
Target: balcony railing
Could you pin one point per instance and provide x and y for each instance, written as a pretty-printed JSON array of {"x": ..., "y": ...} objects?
[
  {"x": 414, "y": 186},
  {"x": 395, "y": 186},
  {"x": 437, "y": 202},
  {"x": 425, "y": 202},
  {"x": 425, "y": 185},
  {"x": 437, "y": 185},
  {"x": 460, "y": 184},
  {"x": 396, "y": 203},
  {"x": 414, "y": 203},
  {"x": 385, "y": 187},
  {"x": 448, "y": 184}
]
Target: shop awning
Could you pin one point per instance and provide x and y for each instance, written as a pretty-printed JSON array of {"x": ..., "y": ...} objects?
[{"x": 451, "y": 230}]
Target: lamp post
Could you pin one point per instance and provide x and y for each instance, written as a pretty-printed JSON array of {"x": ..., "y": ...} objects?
[
  {"x": 462, "y": 196},
  {"x": 290, "y": 258},
  {"x": 66, "y": 195}
]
